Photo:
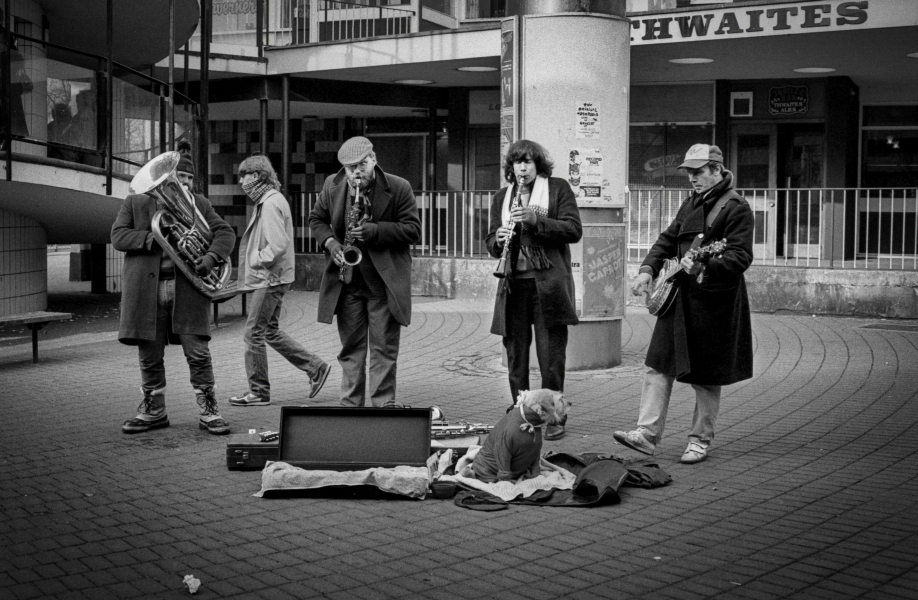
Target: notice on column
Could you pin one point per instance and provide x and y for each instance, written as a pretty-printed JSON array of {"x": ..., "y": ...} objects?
[
  {"x": 584, "y": 173},
  {"x": 588, "y": 120},
  {"x": 603, "y": 270}
]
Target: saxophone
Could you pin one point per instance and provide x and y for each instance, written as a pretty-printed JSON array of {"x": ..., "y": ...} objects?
[
  {"x": 179, "y": 227},
  {"x": 353, "y": 219}
]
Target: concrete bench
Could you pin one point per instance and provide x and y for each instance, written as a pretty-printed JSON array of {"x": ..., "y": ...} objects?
[
  {"x": 227, "y": 293},
  {"x": 35, "y": 321}
]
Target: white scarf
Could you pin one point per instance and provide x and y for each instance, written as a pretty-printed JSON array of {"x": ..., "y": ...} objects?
[{"x": 538, "y": 198}]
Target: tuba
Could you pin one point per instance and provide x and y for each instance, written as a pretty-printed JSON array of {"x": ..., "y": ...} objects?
[{"x": 178, "y": 226}]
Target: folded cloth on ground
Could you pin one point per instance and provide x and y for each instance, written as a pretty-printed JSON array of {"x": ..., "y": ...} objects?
[
  {"x": 550, "y": 478},
  {"x": 403, "y": 480},
  {"x": 480, "y": 500},
  {"x": 642, "y": 472}
]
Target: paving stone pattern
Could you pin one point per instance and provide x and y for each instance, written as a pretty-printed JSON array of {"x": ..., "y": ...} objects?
[{"x": 809, "y": 492}]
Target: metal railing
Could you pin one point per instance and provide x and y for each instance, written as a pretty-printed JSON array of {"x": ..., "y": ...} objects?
[
  {"x": 833, "y": 228},
  {"x": 453, "y": 224},
  {"x": 298, "y": 22},
  {"x": 829, "y": 228},
  {"x": 360, "y": 19}
]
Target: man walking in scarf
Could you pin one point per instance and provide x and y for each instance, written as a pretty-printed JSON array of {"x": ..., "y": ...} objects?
[
  {"x": 705, "y": 338},
  {"x": 266, "y": 265}
]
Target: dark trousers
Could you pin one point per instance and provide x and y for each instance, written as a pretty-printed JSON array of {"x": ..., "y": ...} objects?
[
  {"x": 524, "y": 314},
  {"x": 151, "y": 352},
  {"x": 365, "y": 323}
]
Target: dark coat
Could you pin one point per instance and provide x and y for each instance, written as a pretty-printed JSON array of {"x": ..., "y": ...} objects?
[
  {"x": 395, "y": 212},
  {"x": 558, "y": 228},
  {"x": 131, "y": 234},
  {"x": 706, "y": 337}
]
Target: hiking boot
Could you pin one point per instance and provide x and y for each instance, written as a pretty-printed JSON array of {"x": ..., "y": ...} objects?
[
  {"x": 696, "y": 452},
  {"x": 635, "y": 440},
  {"x": 319, "y": 381},
  {"x": 249, "y": 399},
  {"x": 210, "y": 417},
  {"x": 151, "y": 413}
]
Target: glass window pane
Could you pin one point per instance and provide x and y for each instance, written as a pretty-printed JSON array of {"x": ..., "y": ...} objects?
[
  {"x": 885, "y": 116},
  {"x": 890, "y": 159}
]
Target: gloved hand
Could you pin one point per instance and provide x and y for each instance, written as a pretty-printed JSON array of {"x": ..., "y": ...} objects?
[{"x": 205, "y": 264}]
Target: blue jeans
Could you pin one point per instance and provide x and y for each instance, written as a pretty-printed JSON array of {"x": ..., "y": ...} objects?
[
  {"x": 655, "y": 396},
  {"x": 262, "y": 326},
  {"x": 151, "y": 352}
]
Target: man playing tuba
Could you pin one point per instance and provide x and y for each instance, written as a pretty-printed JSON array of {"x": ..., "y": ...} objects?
[{"x": 160, "y": 305}]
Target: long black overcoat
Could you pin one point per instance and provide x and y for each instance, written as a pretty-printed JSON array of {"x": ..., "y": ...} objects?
[
  {"x": 706, "y": 337},
  {"x": 395, "y": 211},
  {"x": 132, "y": 235},
  {"x": 555, "y": 231}
]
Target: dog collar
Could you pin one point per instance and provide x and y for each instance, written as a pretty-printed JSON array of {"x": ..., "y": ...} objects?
[{"x": 527, "y": 426}]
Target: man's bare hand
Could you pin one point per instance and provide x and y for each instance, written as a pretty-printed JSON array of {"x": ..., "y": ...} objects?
[
  {"x": 640, "y": 285},
  {"x": 690, "y": 266}
]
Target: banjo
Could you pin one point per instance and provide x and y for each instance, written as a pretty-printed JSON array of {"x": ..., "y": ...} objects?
[{"x": 663, "y": 288}]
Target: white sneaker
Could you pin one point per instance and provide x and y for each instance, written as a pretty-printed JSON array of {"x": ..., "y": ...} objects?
[
  {"x": 635, "y": 440},
  {"x": 694, "y": 453}
]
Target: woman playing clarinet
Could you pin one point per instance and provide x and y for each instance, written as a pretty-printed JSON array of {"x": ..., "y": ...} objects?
[{"x": 533, "y": 221}]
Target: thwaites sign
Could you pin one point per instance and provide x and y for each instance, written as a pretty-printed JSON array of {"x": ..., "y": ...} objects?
[{"x": 772, "y": 19}]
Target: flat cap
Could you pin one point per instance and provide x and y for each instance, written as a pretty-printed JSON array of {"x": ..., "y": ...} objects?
[{"x": 354, "y": 150}]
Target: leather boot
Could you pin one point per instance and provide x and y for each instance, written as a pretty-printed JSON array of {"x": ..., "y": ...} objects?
[{"x": 151, "y": 414}]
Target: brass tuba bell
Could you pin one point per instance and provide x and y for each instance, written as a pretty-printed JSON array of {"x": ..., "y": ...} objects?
[{"x": 178, "y": 226}]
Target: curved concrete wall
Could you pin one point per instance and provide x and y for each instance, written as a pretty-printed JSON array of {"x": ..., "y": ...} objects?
[{"x": 23, "y": 265}]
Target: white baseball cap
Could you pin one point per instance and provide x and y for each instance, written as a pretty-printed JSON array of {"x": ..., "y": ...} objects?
[{"x": 701, "y": 154}]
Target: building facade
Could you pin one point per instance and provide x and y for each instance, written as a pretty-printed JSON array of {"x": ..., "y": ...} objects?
[{"x": 814, "y": 102}]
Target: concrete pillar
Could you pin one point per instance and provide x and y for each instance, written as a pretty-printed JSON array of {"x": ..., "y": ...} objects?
[{"x": 572, "y": 65}]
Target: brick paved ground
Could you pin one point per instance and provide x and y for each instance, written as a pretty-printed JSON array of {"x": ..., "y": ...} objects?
[{"x": 809, "y": 492}]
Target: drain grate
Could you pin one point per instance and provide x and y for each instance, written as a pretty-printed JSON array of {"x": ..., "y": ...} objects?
[{"x": 892, "y": 327}]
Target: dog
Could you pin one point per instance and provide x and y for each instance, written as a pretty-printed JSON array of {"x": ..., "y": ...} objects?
[{"x": 513, "y": 448}]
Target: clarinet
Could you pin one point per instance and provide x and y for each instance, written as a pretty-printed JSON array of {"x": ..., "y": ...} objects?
[{"x": 503, "y": 265}]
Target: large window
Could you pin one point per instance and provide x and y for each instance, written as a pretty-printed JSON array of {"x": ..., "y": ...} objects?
[
  {"x": 890, "y": 146},
  {"x": 656, "y": 151}
]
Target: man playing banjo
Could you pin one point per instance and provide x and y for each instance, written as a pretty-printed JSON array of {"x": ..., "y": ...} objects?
[{"x": 705, "y": 337}]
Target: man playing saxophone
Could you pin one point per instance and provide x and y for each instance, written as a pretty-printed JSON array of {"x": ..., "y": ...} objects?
[
  {"x": 371, "y": 296},
  {"x": 159, "y": 305}
]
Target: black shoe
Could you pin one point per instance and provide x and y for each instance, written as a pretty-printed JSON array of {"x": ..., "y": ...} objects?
[
  {"x": 553, "y": 432},
  {"x": 319, "y": 381},
  {"x": 393, "y": 404},
  {"x": 137, "y": 425}
]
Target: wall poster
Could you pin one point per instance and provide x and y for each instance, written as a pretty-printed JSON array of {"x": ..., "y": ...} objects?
[
  {"x": 584, "y": 173},
  {"x": 588, "y": 127},
  {"x": 603, "y": 264},
  {"x": 509, "y": 61}
]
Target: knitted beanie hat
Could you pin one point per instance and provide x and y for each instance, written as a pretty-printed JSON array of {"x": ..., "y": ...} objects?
[{"x": 185, "y": 166}]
